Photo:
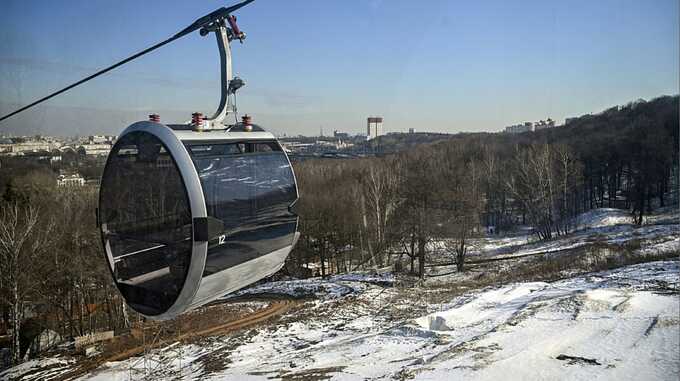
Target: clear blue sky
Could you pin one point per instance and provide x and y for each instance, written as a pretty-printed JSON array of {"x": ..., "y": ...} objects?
[{"x": 434, "y": 65}]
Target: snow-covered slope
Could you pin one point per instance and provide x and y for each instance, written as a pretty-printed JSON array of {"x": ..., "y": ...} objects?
[
  {"x": 616, "y": 325},
  {"x": 612, "y": 325},
  {"x": 661, "y": 233},
  {"x": 602, "y": 217}
]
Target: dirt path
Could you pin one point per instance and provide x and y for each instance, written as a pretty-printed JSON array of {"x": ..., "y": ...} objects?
[{"x": 275, "y": 309}]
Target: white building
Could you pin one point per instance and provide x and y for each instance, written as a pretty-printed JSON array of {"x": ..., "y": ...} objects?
[
  {"x": 97, "y": 139},
  {"x": 95, "y": 149},
  {"x": 74, "y": 180},
  {"x": 6, "y": 145},
  {"x": 519, "y": 128},
  {"x": 25, "y": 145},
  {"x": 374, "y": 127},
  {"x": 32, "y": 146}
]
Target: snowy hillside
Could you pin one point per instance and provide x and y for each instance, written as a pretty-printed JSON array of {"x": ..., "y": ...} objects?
[
  {"x": 620, "y": 324},
  {"x": 608, "y": 325},
  {"x": 660, "y": 233},
  {"x": 496, "y": 321}
]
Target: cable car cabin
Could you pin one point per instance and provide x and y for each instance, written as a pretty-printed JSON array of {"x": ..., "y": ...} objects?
[{"x": 188, "y": 216}]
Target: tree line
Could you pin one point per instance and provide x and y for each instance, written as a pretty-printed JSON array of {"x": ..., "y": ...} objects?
[{"x": 370, "y": 213}]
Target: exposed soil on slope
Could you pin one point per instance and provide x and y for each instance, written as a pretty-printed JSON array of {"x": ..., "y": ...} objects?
[{"x": 218, "y": 318}]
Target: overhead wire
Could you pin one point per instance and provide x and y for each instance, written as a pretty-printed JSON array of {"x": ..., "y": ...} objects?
[{"x": 219, "y": 14}]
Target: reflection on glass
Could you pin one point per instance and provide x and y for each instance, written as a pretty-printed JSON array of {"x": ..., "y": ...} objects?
[
  {"x": 146, "y": 222},
  {"x": 248, "y": 186}
]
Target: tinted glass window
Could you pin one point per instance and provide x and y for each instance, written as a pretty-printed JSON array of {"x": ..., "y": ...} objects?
[
  {"x": 248, "y": 187},
  {"x": 146, "y": 222},
  {"x": 202, "y": 150}
]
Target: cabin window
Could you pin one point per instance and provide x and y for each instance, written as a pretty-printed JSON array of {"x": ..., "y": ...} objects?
[
  {"x": 146, "y": 222},
  {"x": 248, "y": 188}
]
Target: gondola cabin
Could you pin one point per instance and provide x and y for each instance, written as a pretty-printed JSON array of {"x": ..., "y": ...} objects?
[
  {"x": 194, "y": 211},
  {"x": 187, "y": 216}
]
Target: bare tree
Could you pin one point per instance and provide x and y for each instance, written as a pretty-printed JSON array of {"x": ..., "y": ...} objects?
[
  {"x": 531, "y": 184},
  {"x": 24, "y": 239},
  {"x": 568, "y": 172},
  {"x": 542, "y": 181},
  {"x": 462, "y": 177},
  {"x": 379, "y": 182},
  {"x": 419, "y": 187}
]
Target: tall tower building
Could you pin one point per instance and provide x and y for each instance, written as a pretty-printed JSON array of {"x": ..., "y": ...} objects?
[{"x": 374, "y": 127}]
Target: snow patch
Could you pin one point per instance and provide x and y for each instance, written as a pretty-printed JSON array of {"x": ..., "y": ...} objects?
[
  {"x": 602, "y": 217},
  {"x": 490, "y": 306}
]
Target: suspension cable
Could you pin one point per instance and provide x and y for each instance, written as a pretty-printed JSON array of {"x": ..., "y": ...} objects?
[{"x": 219, "y": 14}]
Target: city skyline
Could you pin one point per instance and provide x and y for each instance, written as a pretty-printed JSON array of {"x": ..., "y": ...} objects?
[{"x": 445, "y": 68}]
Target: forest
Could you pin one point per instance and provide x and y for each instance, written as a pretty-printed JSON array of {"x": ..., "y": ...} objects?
[
  {"x": 356, "y": 214},
  {"x": 366, "y": 213}
]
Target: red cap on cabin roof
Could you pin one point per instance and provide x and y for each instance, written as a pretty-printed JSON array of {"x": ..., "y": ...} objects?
[{"x": 197, "y": 119}]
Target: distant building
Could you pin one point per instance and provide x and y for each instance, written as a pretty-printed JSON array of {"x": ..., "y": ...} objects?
[
  {"x": 95, "y": 149},
  {"x": 543, "y": 124},
  {"x": 6, "y": 145},
  {"x": 99, "y": 139},
  {"x": 32, "y": 146},
  {"x": 74, "y": 180},
  {"x": 411, "y": 130},
  {"x": 340, "y": 135},
  {"x": 519, "y": 128},
  {"x": 27, "y": 145},
  {"x": 374, "y": 127}
]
